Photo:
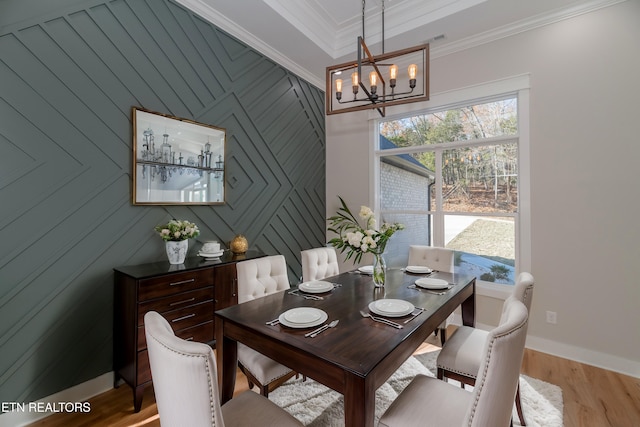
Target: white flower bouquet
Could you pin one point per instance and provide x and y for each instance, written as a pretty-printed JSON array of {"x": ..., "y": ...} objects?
[
  {"x": 177, "y": 230},
  {"x": 358, "y": 240}
]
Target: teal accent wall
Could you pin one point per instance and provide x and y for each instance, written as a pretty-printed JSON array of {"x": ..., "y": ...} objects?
[{"x": 70, "y": 71}]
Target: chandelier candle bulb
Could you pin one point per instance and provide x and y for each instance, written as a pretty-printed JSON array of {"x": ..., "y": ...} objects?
[
  {"x": 339, "y": 89},
  {"x": 373, "y": 79},
  {"x": 354, "y": 82},
  {"x": 393, "y": 74},
  {"x": 413, "y": 71}
]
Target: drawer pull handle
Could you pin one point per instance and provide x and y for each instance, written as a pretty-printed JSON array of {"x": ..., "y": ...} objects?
[
  {"x": 183, "y": 318},
  {"x": 182, "y": 282},
  {"x": 181, "y": 302}
]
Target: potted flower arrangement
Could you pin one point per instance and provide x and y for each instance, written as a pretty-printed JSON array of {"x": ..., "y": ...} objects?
[
  {"x": 357, "y": 240},
  {"x": 176, "y": 234}
]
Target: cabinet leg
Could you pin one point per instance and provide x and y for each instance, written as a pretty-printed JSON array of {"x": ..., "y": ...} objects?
[{"x": 138, "y": 392}]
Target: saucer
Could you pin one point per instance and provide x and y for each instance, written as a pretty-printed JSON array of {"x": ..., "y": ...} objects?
[{"x": 211, "y": 255}]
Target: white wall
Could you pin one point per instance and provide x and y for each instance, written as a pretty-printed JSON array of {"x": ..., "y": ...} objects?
[{"x": 585, "y": 154}]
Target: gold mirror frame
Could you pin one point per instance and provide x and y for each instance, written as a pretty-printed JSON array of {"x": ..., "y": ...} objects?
[{"x": 177, "y": 161}]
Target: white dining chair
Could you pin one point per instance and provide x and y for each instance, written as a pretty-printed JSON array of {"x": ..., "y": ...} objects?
[
  {"x": 461, "y": 356},
  {"x": 257, "y": 278},
  {"x": 318, "y": 263},
  {"x": 185, "y": 384},
  {"x": 426, "y": 401},
  {"x": 436, "y": 258}
]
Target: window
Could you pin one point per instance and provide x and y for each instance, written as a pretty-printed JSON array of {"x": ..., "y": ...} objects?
[{"x": 451, "y": 175}]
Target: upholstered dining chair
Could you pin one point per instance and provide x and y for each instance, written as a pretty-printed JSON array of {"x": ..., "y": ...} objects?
[
  {"x": 186, "y": 386},
  {"x": 318, "y": 263},
  {"x": 426, "y": 401},
  {"x": 461, "y": 356},
  {"x": 436, "y": 258},
  {"x": 257, "y": 278}
]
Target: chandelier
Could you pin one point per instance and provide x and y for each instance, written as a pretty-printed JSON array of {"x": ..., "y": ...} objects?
[
  {"x": 384, "y": 73},
  {"x": 160, "y": 164}
]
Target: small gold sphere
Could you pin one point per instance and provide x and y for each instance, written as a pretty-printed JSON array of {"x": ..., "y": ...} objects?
[{"x": 239, "y": 244}]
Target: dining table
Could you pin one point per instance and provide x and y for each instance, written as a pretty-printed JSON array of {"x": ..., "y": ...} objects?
[{"x": 359, "y": 354}]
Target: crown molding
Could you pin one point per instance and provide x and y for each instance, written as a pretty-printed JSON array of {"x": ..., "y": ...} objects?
[
  {"x": 521, "y": 26},
  {"x": 399, "y": 19},
  {"x": 210, "y": 14}
]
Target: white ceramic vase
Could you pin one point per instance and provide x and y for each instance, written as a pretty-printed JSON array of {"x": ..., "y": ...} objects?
[{"x": 177, "y": 251}]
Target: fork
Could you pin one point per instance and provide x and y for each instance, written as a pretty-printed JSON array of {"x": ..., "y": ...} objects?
[
  {"x": 429, "y": 290},
  {"x": 321, "y": 329},
  {"x": 414, "y": 315},
  {"x": 273, "y": 322},
  {"x": 313, "y": 297},
  {"x": 381, "y": 320}
]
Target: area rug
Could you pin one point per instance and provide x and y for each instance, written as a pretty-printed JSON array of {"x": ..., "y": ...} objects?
[{"x": 318, "y": 406}]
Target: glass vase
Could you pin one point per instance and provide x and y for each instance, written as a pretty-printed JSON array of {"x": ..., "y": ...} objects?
[{"x": 379, "y": 270}]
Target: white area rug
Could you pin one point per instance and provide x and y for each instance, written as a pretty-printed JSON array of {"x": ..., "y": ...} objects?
[{"x": 318, "y": 406}]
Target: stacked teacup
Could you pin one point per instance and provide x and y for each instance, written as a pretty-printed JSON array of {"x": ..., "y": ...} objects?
[{"x": 210, "y": 249}]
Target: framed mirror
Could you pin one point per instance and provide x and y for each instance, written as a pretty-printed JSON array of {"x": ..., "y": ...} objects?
[{"x": 176, "y": 161}]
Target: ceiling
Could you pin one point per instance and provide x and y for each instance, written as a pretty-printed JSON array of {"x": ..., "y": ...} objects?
[{"x": 306, "y": 36}]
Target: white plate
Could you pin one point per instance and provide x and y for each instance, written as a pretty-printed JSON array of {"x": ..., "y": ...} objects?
[
  {"x": 430, "y": 283},
  {"x": 366, "y": 269},
  {"x": 303, "y": 317},
  {"x": 210, "y": 255},
  {"x": 316, "y": 287},
  {"x": 391, "y": 307},
  {"x": 418, "y": 269}
]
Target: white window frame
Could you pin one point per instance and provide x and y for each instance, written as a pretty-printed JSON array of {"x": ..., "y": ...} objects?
[{"x": 517, "y": 86}]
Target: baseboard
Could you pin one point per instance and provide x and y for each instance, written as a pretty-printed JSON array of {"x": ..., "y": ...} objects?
[
  {"x": 71, "y": 399},
  {"x": 583, "y": 355},
  {"x": 577, "y": 354}
]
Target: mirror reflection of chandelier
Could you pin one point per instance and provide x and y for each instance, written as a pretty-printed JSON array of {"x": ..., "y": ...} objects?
[
  {"x": 160, "y": 163},
  {"x": 387, "y": 83}
]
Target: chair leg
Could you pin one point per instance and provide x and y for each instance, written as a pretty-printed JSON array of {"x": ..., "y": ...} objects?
[
  {"x": 519, "y": 407},
  {"x": 443, "y": 336}
]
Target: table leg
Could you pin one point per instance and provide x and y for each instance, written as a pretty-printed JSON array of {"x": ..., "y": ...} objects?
[
  {"x": 359, "y": 402},
  {"x": 469, "y": 309},
  {"x": 227, "y": 361}
]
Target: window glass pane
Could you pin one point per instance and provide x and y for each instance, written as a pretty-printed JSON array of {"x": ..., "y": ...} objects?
[
  {"x": 485, "y": 246},
  {"x": 405, "y": 184},
  {"x": 480, "y": 179},
  {"x": 417, "y": 232},
  {"x": 492, "y": 119}
]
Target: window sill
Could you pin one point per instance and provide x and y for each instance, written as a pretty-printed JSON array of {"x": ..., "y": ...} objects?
[{"x": 492, "y": 290}]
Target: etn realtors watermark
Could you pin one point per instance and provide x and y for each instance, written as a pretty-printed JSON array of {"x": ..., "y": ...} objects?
[{"x": 46, "y": 407}]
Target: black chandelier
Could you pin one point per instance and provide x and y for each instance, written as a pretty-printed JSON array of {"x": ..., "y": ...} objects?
[{"x": 380, "y": 92}]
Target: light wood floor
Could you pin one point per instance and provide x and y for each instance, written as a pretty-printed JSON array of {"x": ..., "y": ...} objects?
[{"x": 592, "y": 397}]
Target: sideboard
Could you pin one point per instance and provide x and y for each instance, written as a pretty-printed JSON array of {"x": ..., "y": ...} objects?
[{"x": 187, "y": 295}]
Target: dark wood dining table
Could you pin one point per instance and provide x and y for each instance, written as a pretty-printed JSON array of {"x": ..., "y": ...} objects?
[{"x": 358, "y": 355}]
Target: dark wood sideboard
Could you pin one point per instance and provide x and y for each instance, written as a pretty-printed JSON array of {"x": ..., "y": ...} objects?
[{"x": 187, "y": 295}]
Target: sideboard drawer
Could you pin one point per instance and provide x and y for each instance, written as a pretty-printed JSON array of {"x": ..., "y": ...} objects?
[
  {"x": 173, "y": 283},
  {"x": 174, "y": 302}
]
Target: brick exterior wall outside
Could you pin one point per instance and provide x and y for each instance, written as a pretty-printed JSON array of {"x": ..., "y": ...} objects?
[{"x": 401, "y": 189}]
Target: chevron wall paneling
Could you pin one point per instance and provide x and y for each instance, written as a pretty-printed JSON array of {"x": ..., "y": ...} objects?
[{"x": 70, "y": 71}]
